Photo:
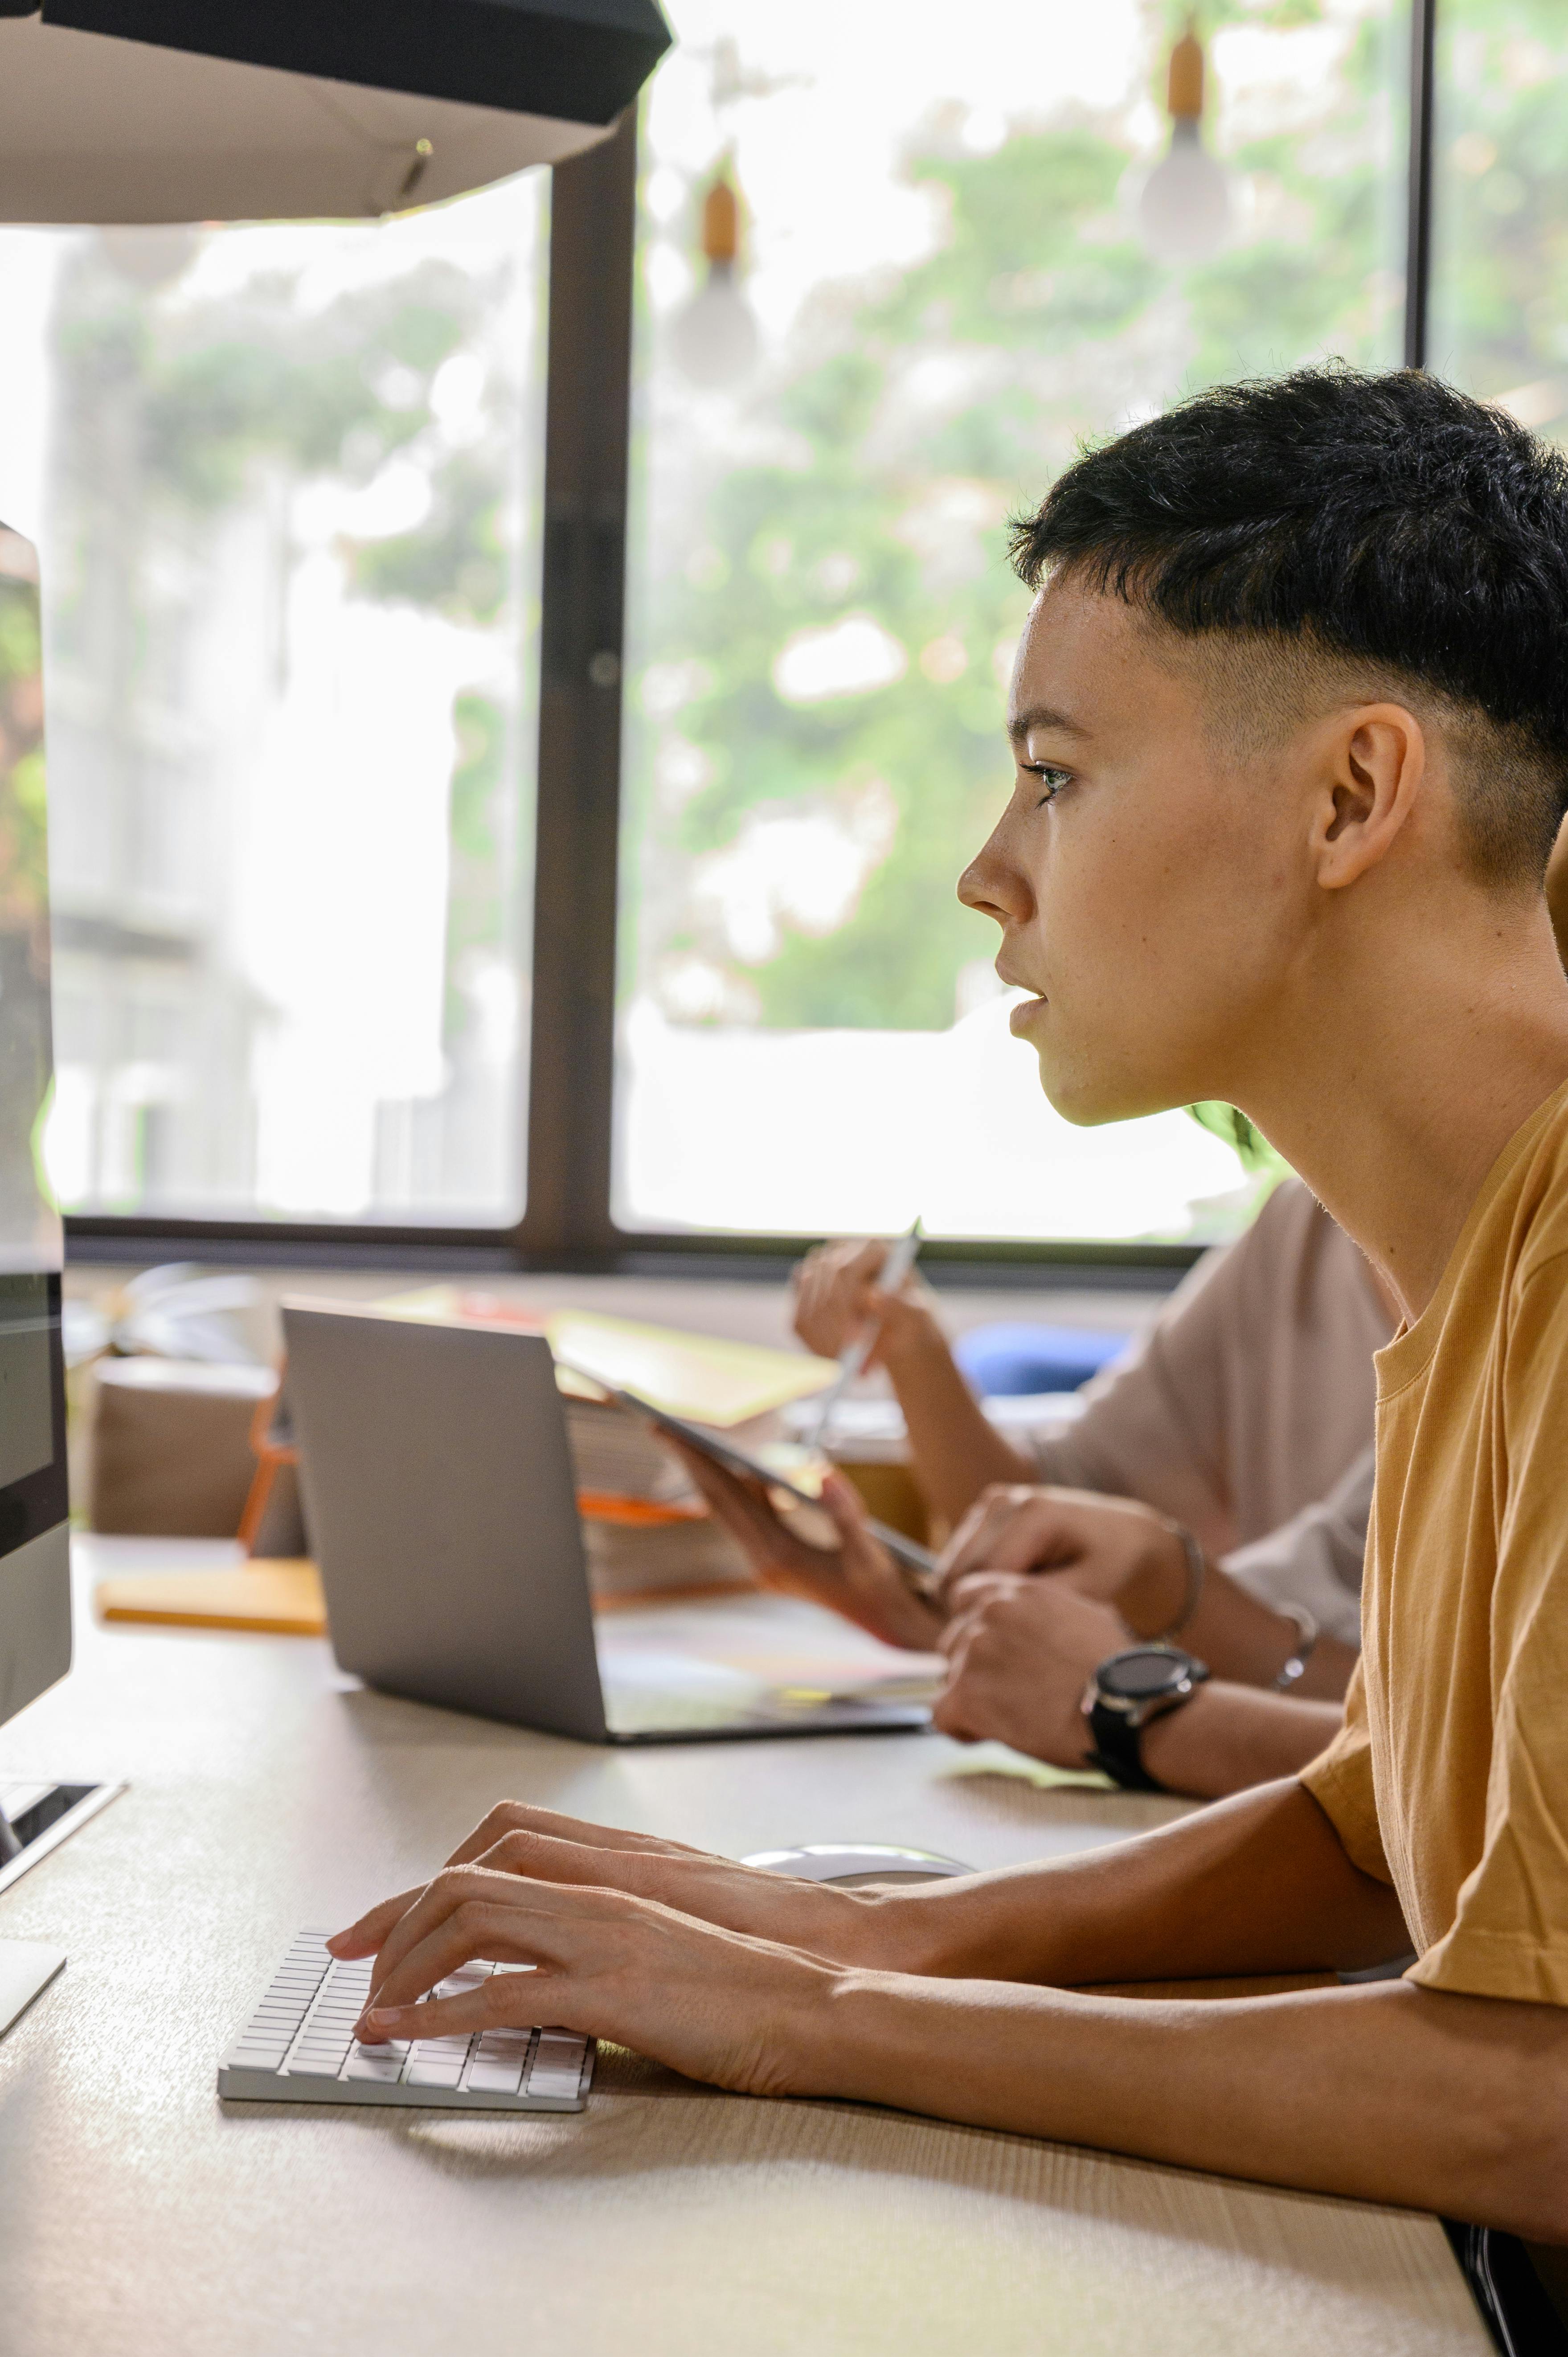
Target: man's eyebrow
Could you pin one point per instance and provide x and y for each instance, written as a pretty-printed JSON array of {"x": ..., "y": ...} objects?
[{"x": 1044, "y": 716}]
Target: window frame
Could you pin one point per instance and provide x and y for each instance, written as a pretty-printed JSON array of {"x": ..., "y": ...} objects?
[{"x": 567, "y": 1223}]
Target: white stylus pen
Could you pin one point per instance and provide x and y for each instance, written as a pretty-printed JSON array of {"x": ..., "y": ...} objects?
[{"x": 853, "y": 1356}]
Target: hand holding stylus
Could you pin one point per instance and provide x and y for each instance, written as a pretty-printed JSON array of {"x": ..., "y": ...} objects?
[{"x": 833, "y": 1270}]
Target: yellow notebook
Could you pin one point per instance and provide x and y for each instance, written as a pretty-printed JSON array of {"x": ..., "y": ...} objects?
[
  {"x": 280, "y": 1597},
  {"x": 696, "y": 1376}
]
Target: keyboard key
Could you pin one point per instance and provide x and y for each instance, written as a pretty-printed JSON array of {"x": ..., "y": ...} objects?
[
  {"x": 497, "y": 2078},
  {"x": 435, "y": 2074},
  {"x": 365, "y": 2064},
  {"x": 557, "y": 2070},
  {"x": 555, "y": 2086}
]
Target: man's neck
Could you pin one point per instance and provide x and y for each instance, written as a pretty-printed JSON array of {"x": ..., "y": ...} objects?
[{"x": 1393, "y": 1085}]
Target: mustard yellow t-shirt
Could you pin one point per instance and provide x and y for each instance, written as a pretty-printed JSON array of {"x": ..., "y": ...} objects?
[{"x": 1450, "y": 1777}]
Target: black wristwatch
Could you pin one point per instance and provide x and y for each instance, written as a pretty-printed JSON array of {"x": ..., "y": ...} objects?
[{"x": 1125, "y": 1694}]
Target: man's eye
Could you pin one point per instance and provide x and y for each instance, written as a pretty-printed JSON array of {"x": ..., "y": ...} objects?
[{"x": 1052, "y": 779}]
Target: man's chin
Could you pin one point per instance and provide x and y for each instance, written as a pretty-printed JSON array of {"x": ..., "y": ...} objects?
[{"x": 1087, "y": 1099}]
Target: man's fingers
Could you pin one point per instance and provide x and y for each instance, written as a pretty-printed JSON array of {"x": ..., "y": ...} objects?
[
  {"x": 716, "y": 1483},
  {"x": 949, "y": 1716},
  {"x": 436, "y": 2017},
  {"x": 847, "y": 1507},
  {"x": 1011, "y": 1530},
  {"x": 872, "y": 1576},
  {"x": 743, "y": 1509},
  {"x": 1016, "y": 1528},
  {"x": 547, "y": 1926},
  {"x": 834, "y": 1294},
  {"x": 972, "y": 1603},
  {"x": 977, "y": 1589},
  {"x": 469, "y": 1914},
  {"x": 454, "y": 2017},
  {"x": 365, "y": 1937},
  {"x": 522, "y": 1816},
  {"x": 501, "y": 1929},
  {"x": 538, "y": 1857},
  {"x": 440, "y": 1898}
]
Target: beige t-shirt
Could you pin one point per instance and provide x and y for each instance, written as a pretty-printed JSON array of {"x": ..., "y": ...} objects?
[
  {"x": 1450, "y": 1777},
  {"x": 1247, "y": 1411}
]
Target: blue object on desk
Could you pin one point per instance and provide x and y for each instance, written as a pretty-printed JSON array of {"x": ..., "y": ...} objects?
[{"x": 1008, "y": 1361}]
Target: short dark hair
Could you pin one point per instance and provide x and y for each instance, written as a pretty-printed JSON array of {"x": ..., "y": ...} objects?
[{"x": 1386, "y": 520}]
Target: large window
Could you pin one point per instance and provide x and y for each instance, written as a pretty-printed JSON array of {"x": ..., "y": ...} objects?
[
  {"x": 291, "y": 532},
  {"x": 1500, "y": 298},
  {"x": 944, "y": 268},
  {"x": 312, "y": 499}
]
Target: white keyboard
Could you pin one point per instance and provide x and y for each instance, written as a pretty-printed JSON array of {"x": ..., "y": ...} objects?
[{"x": 298, "y": 2047}]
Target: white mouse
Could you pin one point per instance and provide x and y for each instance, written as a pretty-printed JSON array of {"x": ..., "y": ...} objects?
[{"x": 850, "y": 1864}]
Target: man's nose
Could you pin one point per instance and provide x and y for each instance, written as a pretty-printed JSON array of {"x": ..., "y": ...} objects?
[{"x": 992, "y": 887}]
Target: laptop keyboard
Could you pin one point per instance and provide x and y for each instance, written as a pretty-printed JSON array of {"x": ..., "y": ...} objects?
[{"x": 299, "y": 2047}]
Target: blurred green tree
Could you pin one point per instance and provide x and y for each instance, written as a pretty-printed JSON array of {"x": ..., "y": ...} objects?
[{"x": 935, "y": 407}]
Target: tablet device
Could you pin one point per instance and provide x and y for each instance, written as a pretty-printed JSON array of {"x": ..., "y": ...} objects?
[{"x": 916, "y": 1562}]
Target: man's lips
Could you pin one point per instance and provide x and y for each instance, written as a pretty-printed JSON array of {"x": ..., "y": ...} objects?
[{"x": 1023, "y": 1014}]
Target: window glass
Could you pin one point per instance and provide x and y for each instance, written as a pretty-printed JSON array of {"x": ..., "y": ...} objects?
[
  {"x": 1498, "y": 318},
  {"x": 291, "y": 555},
  {"x": 946, "y": 289}
]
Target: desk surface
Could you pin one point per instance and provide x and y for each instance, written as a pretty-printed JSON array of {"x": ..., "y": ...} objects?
[{"x": 266, "y": 1793}]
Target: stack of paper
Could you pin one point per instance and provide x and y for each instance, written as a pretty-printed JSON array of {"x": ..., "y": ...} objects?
[
  {"x": 618, "y": 1455},
  {"x": 645, "y": 1528}
]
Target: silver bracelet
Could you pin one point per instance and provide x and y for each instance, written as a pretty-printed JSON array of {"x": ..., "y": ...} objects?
[
  {"x": 1301, "y": 1651},
  {"x": 1195, "y": 1568}
]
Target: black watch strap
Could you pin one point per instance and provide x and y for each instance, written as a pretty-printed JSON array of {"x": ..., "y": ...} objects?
[{"x": 1118, "y": 1748}]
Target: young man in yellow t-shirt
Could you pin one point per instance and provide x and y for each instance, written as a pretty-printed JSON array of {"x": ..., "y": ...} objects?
[{"x": 1290, "y": 720}]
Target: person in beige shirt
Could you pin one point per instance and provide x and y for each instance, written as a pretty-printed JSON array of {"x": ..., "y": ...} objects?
[
  {"x": 1235, "y": 1440},
  {"x": 1290, "y": 726}
]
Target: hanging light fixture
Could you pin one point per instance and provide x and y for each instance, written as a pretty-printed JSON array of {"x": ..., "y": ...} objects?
[
  {"x": 1183, "y": 212},
  {"x": 714, "y": 337}
]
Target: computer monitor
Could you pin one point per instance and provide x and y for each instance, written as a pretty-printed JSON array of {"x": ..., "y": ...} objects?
[
  {"x": 34, "y": 1561},
  {"x": 35, "y": 1569}
]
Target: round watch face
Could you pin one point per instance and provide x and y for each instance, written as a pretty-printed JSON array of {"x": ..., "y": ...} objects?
[{"x": 1143, "y": 1672}]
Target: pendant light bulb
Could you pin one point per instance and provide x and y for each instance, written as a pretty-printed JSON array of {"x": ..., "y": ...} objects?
[
  {"x": 715, "y": 336},
  {"x": 1183, "y": 212}
]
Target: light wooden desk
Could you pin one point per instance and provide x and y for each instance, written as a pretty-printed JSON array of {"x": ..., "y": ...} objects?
[{"x": 139, "y": 2215}]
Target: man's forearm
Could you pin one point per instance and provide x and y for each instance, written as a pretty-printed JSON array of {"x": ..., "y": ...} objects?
[
  {"x": 954, "y": 1452},
  {"x": 1388, "y": 2094},
  {"x": 1258, "y": 1884},
  {"x": 1242, "y": 1638},
  {"x": 1229, "y": 1737}
]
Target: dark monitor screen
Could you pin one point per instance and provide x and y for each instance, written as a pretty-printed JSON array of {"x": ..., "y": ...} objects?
[{"x": 35, "y": 1623}]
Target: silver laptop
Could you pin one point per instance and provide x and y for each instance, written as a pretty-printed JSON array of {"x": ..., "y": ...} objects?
[{"x": 439, "y": 1493}]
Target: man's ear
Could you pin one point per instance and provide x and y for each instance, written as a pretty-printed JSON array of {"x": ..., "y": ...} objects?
[{"x": 1376, "y": 763}]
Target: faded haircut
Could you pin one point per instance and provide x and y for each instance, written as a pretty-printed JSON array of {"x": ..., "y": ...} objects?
[{"x": 1385, "y": 529}]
